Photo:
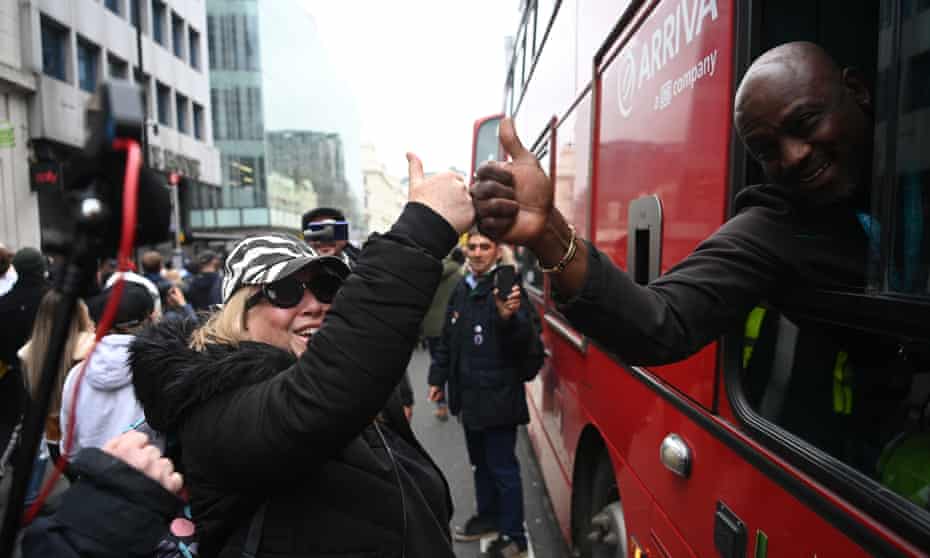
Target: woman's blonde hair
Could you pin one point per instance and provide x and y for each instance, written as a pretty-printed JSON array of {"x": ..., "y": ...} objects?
[
  {"x": 39, "y": 345},
  {"x": 228, "y": 325}
]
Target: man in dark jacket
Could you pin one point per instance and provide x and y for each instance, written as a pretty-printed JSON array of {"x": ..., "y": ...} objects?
[
  {"x": 18, "y": 310},
  {"x": 204, "y": 290},
  {"x": 481, "y": 355},
  {"x": 809, "y": 125}
]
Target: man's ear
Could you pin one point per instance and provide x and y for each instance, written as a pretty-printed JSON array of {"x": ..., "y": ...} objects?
[{"x": 854, "y": 81}]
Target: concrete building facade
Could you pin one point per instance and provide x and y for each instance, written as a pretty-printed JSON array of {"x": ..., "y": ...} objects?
[
  {"x": 318, "y": 157},
  {"x": 19, "y": 208},
  {"x": 385, "y": 195},
  {"x": 70, "y": 46},
  {"x": 237, "y": 98}
]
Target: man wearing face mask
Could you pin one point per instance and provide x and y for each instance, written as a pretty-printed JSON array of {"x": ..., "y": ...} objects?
[{"x": 809, "y": 124}]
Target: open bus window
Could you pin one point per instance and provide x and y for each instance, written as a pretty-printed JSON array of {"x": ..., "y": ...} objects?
[
  {"x": 861, "y": 398},
  {"x": 828, "y": 382},
  {"x": 903, "y": 159}
]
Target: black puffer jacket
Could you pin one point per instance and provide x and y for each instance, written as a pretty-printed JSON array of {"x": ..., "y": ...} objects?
[{"x": 257, "y": 425}]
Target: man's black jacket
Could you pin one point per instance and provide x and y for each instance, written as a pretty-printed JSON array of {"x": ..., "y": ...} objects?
[
  {"x": 257, "y": 425},
  {"x": 482, "y": 357},
  {"x": 772, "y": 250}
]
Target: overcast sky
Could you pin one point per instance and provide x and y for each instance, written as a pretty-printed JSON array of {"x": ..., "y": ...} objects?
[{"x": 419, "y": 72}]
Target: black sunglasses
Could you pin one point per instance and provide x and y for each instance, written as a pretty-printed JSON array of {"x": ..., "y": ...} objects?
[{"x": 288, "y": 292}]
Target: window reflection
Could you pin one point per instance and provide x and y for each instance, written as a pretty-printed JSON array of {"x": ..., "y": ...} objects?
[
  {"x": 903, "y": 124},
  {"x": 864, "y": 399}
]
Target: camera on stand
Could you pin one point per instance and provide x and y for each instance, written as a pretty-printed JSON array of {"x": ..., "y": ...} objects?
[{"x": 89, "y": 220}]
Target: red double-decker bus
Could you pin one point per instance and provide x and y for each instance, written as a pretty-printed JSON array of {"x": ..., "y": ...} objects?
[{"x": 630, "y": 105}]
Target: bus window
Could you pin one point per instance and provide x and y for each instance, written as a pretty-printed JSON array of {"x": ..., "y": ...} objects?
[
  {"x": 904, "y": 117},
  {"x": 861, "y": 398},
  {"x": 819, "y": 379},
  {"x": 486, "y": 142}
]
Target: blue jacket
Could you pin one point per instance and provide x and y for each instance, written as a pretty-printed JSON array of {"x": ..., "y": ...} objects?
[{"x": 483, "y": 357}]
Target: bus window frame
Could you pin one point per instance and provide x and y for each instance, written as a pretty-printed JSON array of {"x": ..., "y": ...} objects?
[
  {"x": 876, "y": 312},
  {"x": 517, "y": 100}
]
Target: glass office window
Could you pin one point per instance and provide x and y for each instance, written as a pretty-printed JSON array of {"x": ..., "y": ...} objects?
[
  {"x": 54, "y": 49},
  {"x": 88, "y": 65}
]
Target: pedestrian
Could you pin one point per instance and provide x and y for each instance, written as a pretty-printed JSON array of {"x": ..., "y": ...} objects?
[
  {"x": 286, "y": 423},
  {"x": 136, "y": 279},
  {"x": 114, "y": 508},
  {"x": 153, "y": 268},
  {"x": 337, "y": 243},
  {"x": 204, "y": 289},
  {"x": 174, "y": 302},
  {"x": 453, "y": 270},
  {"x": 482, "y": 356},
  {"x": 32, "y": 355},
  {"x": 18, "y": 310},
  {"x": 106, "y": 405}
]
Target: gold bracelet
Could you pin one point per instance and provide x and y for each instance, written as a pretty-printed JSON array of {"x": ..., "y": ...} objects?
[{"x": 567, "y": 258}]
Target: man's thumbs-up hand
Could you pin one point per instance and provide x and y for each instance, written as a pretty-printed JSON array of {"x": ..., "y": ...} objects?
[
  {"x": 445, "y": 193},
  {"x": 513, "y": 199}
]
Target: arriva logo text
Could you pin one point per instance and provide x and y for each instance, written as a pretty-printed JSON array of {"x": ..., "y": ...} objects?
[{"x": 679, "y": 28}]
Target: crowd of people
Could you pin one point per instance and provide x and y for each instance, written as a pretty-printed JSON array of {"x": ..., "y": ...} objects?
[{"x": 279, "y": 401}]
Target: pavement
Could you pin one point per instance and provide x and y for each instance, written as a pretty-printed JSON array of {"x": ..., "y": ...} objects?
[{"x": 445, "y": 441}]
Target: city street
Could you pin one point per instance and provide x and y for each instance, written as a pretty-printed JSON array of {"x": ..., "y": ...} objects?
[{"x": 446, "y": 443}]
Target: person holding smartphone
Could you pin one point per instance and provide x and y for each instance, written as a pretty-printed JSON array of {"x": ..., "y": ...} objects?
[{"x": 482, "y": 357}]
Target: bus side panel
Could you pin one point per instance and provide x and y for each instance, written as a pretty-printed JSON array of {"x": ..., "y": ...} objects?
[
  {"x": 559, "y": 419},
  {"x": 551, "y": 90},
  {"x": 637, "y": 423},
  {"x": 664, "y": 125},
  {"x": 557, "y": 479},
  {"x": 597, "y": 18}
]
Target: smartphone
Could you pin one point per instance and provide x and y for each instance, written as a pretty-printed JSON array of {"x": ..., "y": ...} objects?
[
  {"x": 327, "y": 231},
  {"x": 504, "y": 278}
]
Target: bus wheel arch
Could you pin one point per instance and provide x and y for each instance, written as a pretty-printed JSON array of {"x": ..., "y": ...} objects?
[{"x": 598, "y": 523}]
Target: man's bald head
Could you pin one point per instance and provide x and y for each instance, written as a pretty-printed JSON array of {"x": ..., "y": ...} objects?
[
  {"x": 799, "y": 62},
  {"x": 807, "y": 122}
]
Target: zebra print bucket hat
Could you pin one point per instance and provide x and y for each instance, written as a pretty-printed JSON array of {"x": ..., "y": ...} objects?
[{"x": 259, "y": 260}]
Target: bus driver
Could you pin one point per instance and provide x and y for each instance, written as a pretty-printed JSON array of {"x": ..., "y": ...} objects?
[{"x": 809, "y": 124}]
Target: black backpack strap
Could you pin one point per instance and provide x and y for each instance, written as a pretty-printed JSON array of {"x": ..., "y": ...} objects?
[{"x": 254, "y": 539}]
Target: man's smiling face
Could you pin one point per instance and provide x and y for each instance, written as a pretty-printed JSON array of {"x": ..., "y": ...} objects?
[{"x": 805, "y": 121}]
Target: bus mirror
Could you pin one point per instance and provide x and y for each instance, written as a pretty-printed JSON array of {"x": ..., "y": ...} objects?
[{"x": 485, "y": 142}]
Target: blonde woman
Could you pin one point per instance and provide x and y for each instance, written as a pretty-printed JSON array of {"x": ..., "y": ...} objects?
[
  {"x": 35, "y": 351},
  {"x": 33, "y": 354},
  {"x": 291, "y": 441}
]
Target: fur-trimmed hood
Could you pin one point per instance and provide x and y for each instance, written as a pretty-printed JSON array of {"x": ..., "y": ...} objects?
[{"x": 170, "y": 377}]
